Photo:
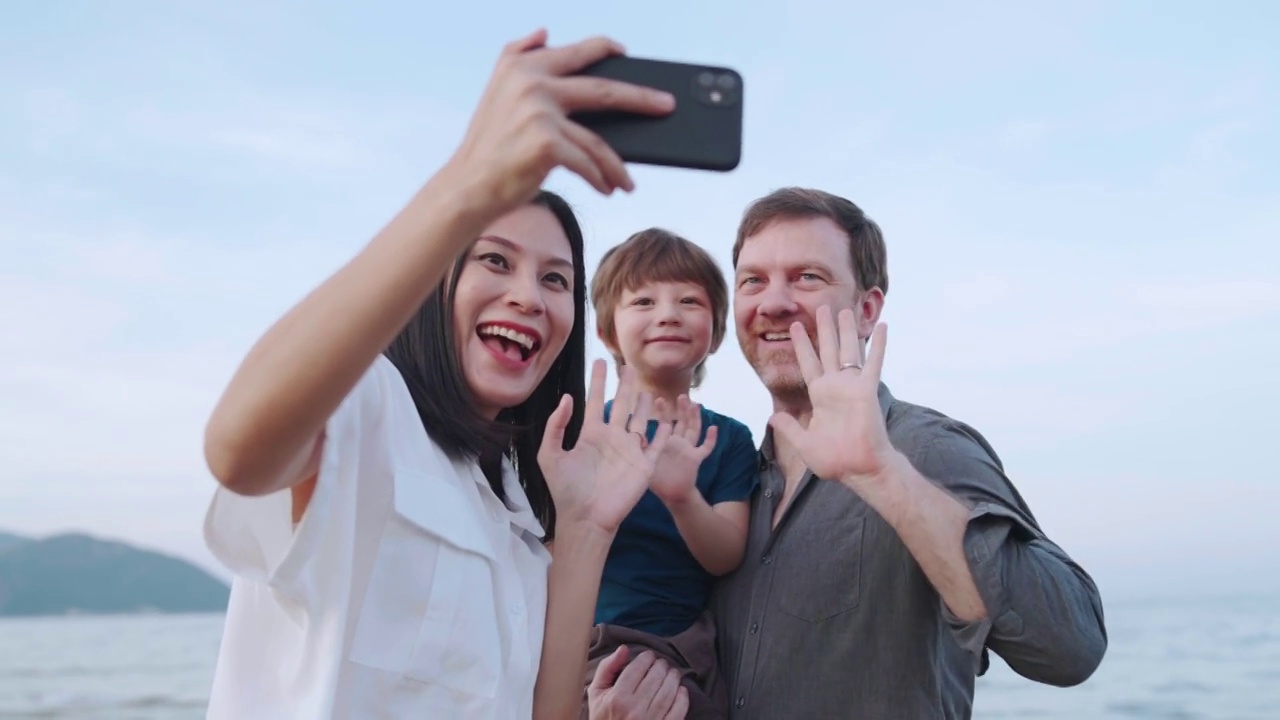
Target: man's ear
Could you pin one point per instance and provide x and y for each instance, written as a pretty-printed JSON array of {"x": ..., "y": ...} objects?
[{"x": 868, "y": 310}]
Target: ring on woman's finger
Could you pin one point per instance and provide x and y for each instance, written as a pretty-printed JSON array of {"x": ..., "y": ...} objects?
[{"x": 846, "y": 366}]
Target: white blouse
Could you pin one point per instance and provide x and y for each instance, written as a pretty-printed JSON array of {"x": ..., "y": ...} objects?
[{"x": 408, "y": 590}]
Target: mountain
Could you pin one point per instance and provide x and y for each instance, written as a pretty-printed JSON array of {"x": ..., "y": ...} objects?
[
  {"x": 76, "y": 573},
  {"x": 7, "y": 541}
]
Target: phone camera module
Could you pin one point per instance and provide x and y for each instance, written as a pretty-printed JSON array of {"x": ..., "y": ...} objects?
[{"x": 717, "y": 88}]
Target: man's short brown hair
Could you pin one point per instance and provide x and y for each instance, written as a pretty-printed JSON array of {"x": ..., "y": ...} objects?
[
  {"x": 658, "y": 255},
  {"x": 866, "y": 242}
]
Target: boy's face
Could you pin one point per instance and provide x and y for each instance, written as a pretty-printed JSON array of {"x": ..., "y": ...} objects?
[{"x": 663, "y": 329}]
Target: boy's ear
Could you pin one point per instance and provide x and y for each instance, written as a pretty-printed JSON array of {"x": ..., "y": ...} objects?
[{"x": 608, "y": 342}]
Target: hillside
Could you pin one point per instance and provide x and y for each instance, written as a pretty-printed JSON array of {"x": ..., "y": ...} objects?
[
  {"x": 7, "y": 541},
  {"x": 76, "y": 573}
]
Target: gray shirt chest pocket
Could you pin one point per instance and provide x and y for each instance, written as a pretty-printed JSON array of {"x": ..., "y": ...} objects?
[{"x": 819, "y": 573}]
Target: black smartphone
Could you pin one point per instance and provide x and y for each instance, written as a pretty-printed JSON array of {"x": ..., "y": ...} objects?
[{"x": 704, "y": 132}]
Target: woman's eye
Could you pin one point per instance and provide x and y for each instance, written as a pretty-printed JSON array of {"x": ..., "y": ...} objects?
[
  {"x": 558, "y": 279},
  {"x": 494, "y": 259}
]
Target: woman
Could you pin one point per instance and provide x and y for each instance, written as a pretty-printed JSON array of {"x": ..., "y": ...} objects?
[{"x": 385, "y": 481}]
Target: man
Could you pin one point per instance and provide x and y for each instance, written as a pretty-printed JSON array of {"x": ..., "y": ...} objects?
[{"x": 887, "y": 551}]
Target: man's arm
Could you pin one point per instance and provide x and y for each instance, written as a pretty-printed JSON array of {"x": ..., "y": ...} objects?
[{"x": 1003, "y": 584}]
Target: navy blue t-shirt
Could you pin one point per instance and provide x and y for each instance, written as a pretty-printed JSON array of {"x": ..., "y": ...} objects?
[{"x": 652, "y": 582}]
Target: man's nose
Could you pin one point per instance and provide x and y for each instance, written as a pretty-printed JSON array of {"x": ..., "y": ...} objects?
[{"x": 777, "y": 301}]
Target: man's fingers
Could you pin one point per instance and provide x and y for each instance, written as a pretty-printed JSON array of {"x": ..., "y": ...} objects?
[
  {"x": 680, "y": 708},
  {"x": 665, "y": 697},
  {"x": 608, "y": 670},
  {"x": 652, "y": 681},
  {"x": 810, "y": 368},
  {"x": 875, "y": 361},
  {"x": 850, "y": 345},
  {"x": 787, "y": 427},
  {"x": 631, "y": 676},
  {"x": 828, "y": 341}
]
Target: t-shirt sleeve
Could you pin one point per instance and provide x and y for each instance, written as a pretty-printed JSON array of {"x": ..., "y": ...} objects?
[
  {"x": 255, "y": 537},
  {"x": 739, "y": 463}
]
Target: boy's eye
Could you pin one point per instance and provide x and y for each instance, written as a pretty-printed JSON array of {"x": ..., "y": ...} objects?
[{"x": 642, "y": 301}]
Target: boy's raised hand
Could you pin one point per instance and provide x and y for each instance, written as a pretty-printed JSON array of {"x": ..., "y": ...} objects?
[{"x": 676, "y": 471}]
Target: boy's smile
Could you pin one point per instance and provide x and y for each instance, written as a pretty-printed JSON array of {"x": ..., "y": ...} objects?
[{"x": 663, "y": 329}]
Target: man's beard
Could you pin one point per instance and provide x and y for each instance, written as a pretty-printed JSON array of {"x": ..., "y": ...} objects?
[{"x": 780, "y": 373}]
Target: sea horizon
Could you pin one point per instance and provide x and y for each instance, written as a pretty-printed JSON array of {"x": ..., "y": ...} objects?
[{"x": 1190, "y": 657}]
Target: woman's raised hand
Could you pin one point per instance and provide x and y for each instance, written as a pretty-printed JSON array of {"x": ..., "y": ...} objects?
[
  {"x": 604, "y": 475},
  {"x": 521, "y": 131}
]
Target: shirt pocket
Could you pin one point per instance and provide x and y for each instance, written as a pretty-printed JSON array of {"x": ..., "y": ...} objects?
[
  {"x": 429, "y": 611},
  {"x": 821, "y": 574}
]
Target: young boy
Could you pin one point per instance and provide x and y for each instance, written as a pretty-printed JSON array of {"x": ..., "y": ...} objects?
[{"x": 661, "y": 306}]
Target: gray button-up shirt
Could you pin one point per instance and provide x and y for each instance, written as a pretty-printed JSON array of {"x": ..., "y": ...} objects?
[{"x": 830, "y": 616}]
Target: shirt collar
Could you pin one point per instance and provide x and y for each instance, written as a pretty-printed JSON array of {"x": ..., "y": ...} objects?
[{"x": 521, "y": 512}]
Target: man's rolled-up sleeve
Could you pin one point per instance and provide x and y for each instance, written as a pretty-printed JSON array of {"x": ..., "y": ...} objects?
[{"x": 1044, "y": 611}]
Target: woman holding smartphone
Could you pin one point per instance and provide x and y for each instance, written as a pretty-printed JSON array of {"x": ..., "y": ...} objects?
[{"x": 394, "y": 451}]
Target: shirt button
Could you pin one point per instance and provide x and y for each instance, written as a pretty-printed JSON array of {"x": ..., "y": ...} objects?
[
  {"x": 755, "y": 628},
  {"x": 742, "y": 701},
  {"x": 766, "y": 559},
  {"x": 768, "y": 493}
]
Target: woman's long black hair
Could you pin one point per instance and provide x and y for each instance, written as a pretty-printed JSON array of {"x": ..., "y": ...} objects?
[{"x": 426, "y": 352}]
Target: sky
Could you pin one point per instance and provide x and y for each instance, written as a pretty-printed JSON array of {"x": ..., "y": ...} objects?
[{"x": 1081, "y": 203}]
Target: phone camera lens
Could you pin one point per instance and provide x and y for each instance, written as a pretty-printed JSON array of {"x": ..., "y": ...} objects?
[
  {"x": 727, "y": 81},
  {"x": 706, "y": 79}
]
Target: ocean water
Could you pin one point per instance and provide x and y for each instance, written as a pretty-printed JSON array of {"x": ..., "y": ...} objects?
[{"x": 1177, "y": 660}]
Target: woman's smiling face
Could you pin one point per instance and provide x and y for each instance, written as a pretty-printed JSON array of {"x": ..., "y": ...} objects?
[{"x": 513, "y": 306}]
